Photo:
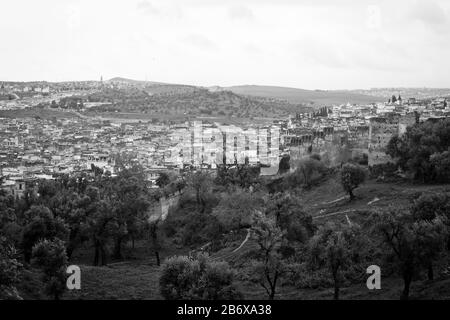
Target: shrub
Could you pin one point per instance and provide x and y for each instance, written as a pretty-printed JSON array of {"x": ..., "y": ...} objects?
[
  {"x": 423, "y": 150},
  {"x": 185, "y": 277},
  {"x": 308, "y": 171},
  {"x": 9, "y": 271},
  {"x": 43, "y": 225},
  {"x": 429, "y": 206},
  {"x": 51, "y": 257},
  {"x": 384, "y": 170},
  {"x": 441, "y": 162}
]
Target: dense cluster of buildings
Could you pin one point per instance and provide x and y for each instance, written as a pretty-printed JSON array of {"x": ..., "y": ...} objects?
[
  {"x": 209, "y": 145},
  {"x": 21, "y": 95},
  {"x": 35, "y": 148},
  {"x": 340, "y": 133}
]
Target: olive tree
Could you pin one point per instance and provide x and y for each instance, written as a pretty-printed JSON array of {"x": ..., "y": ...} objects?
[
  {"x": 412, "y": 245},
  {"x": 51, "y": 257},
  {"x": 351, "y": 177}
]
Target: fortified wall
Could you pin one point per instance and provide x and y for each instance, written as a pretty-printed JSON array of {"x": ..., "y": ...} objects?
[
  {"x": 161, "y": 209},
  {"x": 333, "y": 145},
  {"x": 381, "y": 130}
]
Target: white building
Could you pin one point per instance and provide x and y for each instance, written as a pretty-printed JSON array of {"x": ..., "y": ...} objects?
[{"x": 214, "y": 145}]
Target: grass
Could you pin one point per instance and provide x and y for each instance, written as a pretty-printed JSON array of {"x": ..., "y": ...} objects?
[
  {"x": 118, "y": 281},
  {"x": 329, "y": 198},
  {"x": 141, "y": 282}
]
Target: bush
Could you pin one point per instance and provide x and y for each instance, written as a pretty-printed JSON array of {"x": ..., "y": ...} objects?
[
  {"x": 362, "y": 160},
  {"x": 43, "y": 225},
  {"x": 383, "y": 170},
  {"x": 429, "y": 206},
  {"x": 9, "y": 271},
  {"x": 51, "y": 257},
  {"x": 191, "y": 227},
  {"x": 441, "y": 163},
  {"x": 284, "y": 165},
  {"x": 308, "y": 171},
  {"x": 185, "y": 277},
  {"x": 290, "y": 217},
  {"x": 242, "y": 175},
  {"x": 235, "y": 210},
  {"x": 424, "y": 150}
]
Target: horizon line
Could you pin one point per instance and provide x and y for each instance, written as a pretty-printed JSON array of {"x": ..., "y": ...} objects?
[{"x": 220, "y": 86}]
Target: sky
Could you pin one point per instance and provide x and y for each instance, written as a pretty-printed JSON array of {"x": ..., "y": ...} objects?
[{"x": 310, "y": 44}]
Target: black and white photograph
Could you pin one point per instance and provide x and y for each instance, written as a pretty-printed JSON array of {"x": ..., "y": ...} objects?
[{"x": 243, "y": 152}]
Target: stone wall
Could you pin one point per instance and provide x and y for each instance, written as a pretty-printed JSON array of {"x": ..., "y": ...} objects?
[
  {"x": 381, "y": 130},
  {"x": 161, "y": 209},
  {"x": 338, "y": 146},
  {"x": 334, "y": 147}
]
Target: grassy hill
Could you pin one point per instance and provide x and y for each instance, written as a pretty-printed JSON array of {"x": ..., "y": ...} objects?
[
  {"x": 192, "y": 102},
  {"x": 294, "y": 95},
  {"x": 132, "y": 81},
  {"x": 152, "y": 87},
  {"x": 291, "y": 95}
]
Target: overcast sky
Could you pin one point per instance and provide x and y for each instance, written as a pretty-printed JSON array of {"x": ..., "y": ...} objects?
[{"x": 311, "y": 44}]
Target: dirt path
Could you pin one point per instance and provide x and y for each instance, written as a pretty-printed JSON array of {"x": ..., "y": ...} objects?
[
  {"x": 334, "y": 213},
  {"x": 243, "y": 242},
  {"x": 224, "y": 256}
]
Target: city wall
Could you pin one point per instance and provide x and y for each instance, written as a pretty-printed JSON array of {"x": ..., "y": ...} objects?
[
  {"x": 381, "y": 130},
  {"x": 161, "y": 209},
  {"x": 338, "y": 146},
  {"x": 334, "y": 146}
]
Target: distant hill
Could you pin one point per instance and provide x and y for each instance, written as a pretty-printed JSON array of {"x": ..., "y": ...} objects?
[
  {"x": 294, "y": 95},
  {"x": 193, "y": 101},
  {"x": 132, "y": 81},
  {"x": 152, "y": 87}
]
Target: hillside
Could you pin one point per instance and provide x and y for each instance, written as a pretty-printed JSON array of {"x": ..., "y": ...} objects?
[
  {"x": 294, "y": 95},
  {"x": 169, "y": 100},
  {"x": 138, "y": 276},
  {"x": 291, "y": 95},
  {"x": 132, "y": 81}
]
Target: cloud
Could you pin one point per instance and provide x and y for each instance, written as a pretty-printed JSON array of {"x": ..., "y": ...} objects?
[
  {"x": 373, "y": 20},
  {"x": 429, "y": 12},
  {"x": 147, "y": 7},
  {"x": 320, "y": 53},
  {"x": 240, "y": 13},
  {"x": 73, "y": 19},
  {"x": 251, "y": 48},
  {"x": 199, "y": 41},
  {"x": 302, "y": 43}
]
